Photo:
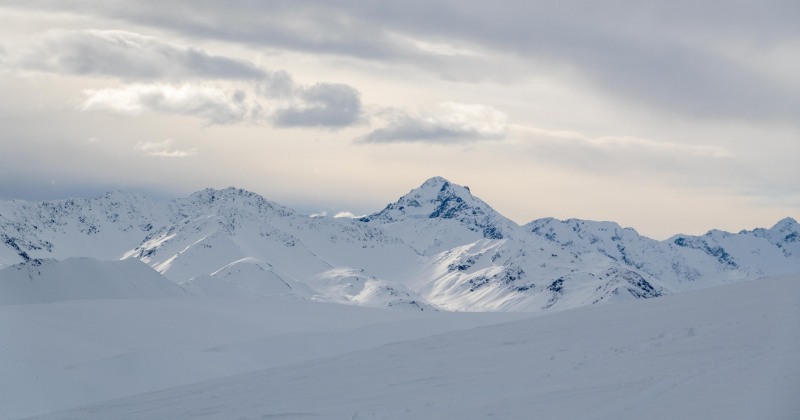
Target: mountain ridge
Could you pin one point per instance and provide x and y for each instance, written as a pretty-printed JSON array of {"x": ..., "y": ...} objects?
[{"x": 436, "y": 247}]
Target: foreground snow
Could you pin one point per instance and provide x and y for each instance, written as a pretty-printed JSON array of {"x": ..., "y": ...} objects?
[
  {"x": 71, "y": 353},
  {"x": 728, "y": 352}
]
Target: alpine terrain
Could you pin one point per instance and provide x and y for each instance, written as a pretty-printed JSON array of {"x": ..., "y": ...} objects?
[
  {"x": 437, "y": 247},
  {"x": 224, "y": 304}
]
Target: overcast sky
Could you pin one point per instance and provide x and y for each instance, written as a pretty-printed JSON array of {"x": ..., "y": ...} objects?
[{"x": 666, "y": 116}]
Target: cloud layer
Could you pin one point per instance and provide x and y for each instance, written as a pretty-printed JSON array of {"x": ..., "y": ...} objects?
[
  {"x": 129, "y": 55},
  {"x": 704, "y": 59},
  {"x": 173, "y": 79},
  {"x": 452, "y": 123}
]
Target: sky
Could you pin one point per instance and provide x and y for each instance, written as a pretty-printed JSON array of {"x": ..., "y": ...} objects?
[{"x": 665, "y": 116}]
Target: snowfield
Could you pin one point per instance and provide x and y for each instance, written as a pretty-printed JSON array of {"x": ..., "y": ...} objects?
[
  {"x": 70, "y": 353},
  {"x": 729, "y": 352}
]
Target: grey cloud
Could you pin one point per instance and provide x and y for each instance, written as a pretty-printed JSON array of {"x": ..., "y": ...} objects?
[
  {"x": 133, "y": 56},
  {"x": 279, "y": 84},
  {"x": 671, "y": 56},
  {"x": 129, "y": 55},
  {"x": 323, "y": 105},
  {"x": 452, "y": 123}
]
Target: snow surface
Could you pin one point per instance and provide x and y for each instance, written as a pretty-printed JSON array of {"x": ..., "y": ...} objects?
[
  {"x": 70, "y": 353},
  {"x": 49, "y": 280},
  {"x": 729, "y": 352}
]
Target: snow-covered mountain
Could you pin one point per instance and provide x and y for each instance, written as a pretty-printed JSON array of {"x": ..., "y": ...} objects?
[
  {"x": 437, "y": 247},
  {"x": 683, "y": 261}
]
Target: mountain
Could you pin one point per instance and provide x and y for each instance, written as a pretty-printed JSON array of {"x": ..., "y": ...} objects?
[
  {"x": 683, "y": 261},
  {"x": 103, "y": 227},
  {"x": 437, "y": 247},
  {"x": 438, "y": 206}
]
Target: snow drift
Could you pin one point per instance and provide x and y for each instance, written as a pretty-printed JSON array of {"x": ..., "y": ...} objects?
[{"x": 49, "y": 280}]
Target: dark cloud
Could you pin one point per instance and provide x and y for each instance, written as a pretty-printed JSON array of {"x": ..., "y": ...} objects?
[
  {"x": 129, "y": 55},
  {"x": 679, "y": 56},
  {"x": 322, "y": 105},
  {"x": 453, "y": 123}
]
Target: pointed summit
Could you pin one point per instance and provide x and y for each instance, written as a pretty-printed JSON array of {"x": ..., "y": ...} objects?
[
  {"x": 785, "y": 224},
  {"x": 438, "y": 198}
]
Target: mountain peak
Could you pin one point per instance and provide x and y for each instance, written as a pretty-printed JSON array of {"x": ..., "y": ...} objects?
[
  {"x": 232, "y": 198},
  {"x": 438, "y": 198},
  {"x": 434, "y": 182},
  {"x": 786, "y": 223}
]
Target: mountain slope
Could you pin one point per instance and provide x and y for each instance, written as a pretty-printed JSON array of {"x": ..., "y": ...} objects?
[
  {"x": 684, "y": 262},
  {"x": 49, "y": 280},
  {"x": 103, "y": 228}
]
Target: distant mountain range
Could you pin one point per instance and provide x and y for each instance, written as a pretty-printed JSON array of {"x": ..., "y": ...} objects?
[{"x": 437, "y": 247}]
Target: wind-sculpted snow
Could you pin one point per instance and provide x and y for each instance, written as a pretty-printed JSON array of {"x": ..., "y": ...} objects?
[
  {"x": 437, "y": 247},
  {"x": 49, "y": 280},
  {"x": 731, "y": 352}
]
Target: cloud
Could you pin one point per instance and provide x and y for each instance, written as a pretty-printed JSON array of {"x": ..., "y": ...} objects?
[
  {"x": 212, "y": 104},
  {"x": 632, "y": 159},
  {"x": 345, "y": 214},
  {"x": 128, "y": 55},
  {"x": 323, "y": 105},
  {"x": 621, "y": 143},
  {"x": 132, "y": 56},
  {"x": 165, "y": 148},
  {"x": 452, "y": 123},
  {"x": 669, "y": 56},
  {"x": 331, "y": 105}
]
